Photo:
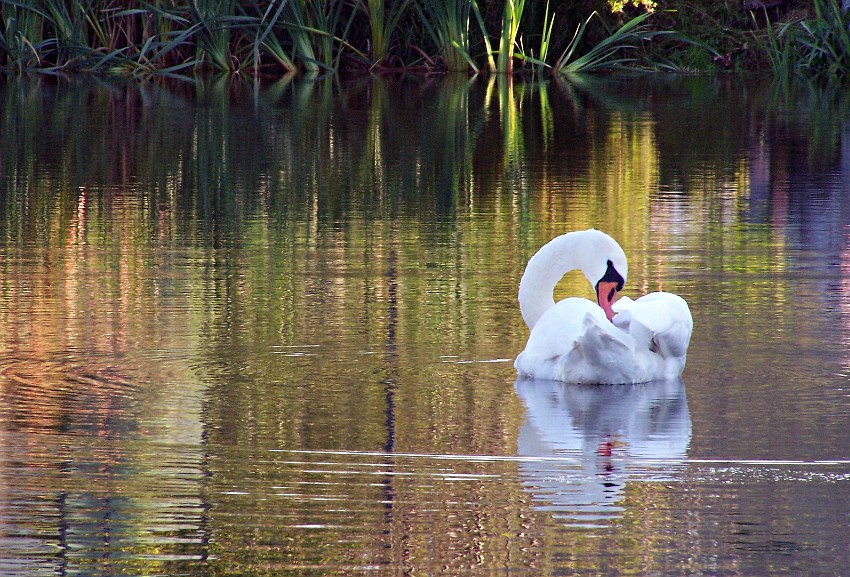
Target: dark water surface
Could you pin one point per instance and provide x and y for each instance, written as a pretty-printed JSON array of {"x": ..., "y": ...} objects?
[{"x": 270, "y": 330}]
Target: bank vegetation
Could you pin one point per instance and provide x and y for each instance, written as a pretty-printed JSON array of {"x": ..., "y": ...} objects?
[{"x": 268, "y": 38}]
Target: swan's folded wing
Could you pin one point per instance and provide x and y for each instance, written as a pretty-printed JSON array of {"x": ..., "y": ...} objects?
[
  {"x": 552, "y": 337},
  {"x": 661, "y": 319},
  {"x": 603, "y": 341},
  {"x": 602, "y": 354}
]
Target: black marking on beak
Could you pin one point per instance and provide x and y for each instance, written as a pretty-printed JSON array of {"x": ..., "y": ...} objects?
[{"x": 611, "y": 275}]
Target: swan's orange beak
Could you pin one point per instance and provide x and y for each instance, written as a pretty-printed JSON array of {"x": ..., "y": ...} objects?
[{"x": 606, "y": 294}]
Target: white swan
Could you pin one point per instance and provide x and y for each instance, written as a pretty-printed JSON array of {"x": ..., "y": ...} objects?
[{"x": 606, "y": 342}]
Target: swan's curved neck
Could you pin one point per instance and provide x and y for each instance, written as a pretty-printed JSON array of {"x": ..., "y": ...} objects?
[{"x": 556, "y": 258}]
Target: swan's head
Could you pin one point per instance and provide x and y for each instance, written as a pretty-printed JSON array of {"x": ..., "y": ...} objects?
[
  {"x": 607, "y": 288},
  {"x": 594, "y": 253},
  {"x": 605, "y": 267}
]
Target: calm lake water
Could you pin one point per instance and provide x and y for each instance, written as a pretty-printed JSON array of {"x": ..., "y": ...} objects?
[{"x": 270, "y": 330}]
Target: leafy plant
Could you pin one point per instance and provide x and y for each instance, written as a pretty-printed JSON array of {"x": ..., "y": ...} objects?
[
  {"x": 546, "y": 36},
  {"x": 182, "y": 37},
  {"x": 383, "y": 19},
  {"x": 447, "y": 22},
  {"x": 265, "y": 37},
  {"x": 212, "y": 32},
  {"x": 507, "y": 41},
  {"x": 312, "y": 25},
  {"x": 825, "y": 41},
  {"x": 539, "y": 61},
  {"x": 609, "y": 52},
  {"x": 815, "y": 47},
  {"x": 778, "y": 46},
  {"x": 21, "y": 37}
]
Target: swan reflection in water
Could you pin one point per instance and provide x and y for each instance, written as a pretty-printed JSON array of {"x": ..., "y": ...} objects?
[{"x": 593, "y": 439}]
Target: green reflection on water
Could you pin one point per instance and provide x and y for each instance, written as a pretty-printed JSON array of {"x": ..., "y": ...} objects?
[{"x": 310, "y": 265}]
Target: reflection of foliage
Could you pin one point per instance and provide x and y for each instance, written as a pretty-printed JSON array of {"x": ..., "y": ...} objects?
[
  {"x": 322, "y": 258},
  {"x": 808, "y": 104}
]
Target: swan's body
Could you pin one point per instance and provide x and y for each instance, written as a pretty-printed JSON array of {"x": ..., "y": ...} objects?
[{"x": 579, "y": 341}]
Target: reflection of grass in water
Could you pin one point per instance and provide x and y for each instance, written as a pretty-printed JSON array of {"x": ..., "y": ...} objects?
[
  {"x": 512, "y": 133},
  {"x": 429, "y": 168},
  {"x": 816, "y": 106},
  {"x": 212, "y": 177}
]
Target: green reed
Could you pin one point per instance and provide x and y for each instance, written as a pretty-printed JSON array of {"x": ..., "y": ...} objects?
[
  {"x": 447, "y": 23},
  {"x": 774, "y": 43},
  {"x": 212, "y": 36},
  {"x": 311, "y": 24},
  {"x": 383, "y": 17},
  {"x": 21, "y": 41},
  {"x": 511, "y": 18},
  {"x": 180, "y": 37},
  {"x": 825, "y": 41},
  {"x": 612, "y": 51},
  {"x": 265, "y": 40},
  {"x": 546, "y": 37},
  {"x": 162, "y": 36},
  {"x": 817, "y": 46}
]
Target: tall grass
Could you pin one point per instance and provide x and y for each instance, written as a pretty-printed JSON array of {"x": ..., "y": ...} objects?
[
  {"x": 611, "y": 52},
  {"x": 21, "y": 40},
  {"x": 265, "y": 40},
  {"x": 777, "y": 47},
  {"x": 825, "y": 41},
  {"x": 617, "y": 48},
  {"x": 510, "y": 28},
  {"x": 816, "y": 46},
  {"x": 213, "y": 38},
  {"x": 383, "y": 17},
  {"x": 274, "y": 37},
  {"x": 447, "y": 23},
  {"x": 161, "y": 36}
]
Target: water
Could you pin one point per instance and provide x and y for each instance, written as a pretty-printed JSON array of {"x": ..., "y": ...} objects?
[{"x": 270, "y": 330}]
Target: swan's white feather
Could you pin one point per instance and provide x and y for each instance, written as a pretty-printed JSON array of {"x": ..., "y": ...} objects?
[
  {"x": 572, "y": 341},
  {"x": 662, "y": 317}
]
